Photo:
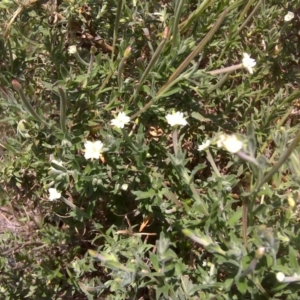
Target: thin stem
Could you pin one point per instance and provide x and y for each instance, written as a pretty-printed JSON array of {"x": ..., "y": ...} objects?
[
  {"x": 105, "y": 81},
  {"x": 158, "y": 95},
  {"x": 219, "y": 83},
  {"x": 279, "y": 124},
  {"x": 294, "y": 95},
  {"x": 226, "y": 70},
  {"x": 195, "y": 52},
  {"x": 80, "y": 60},
  {"x": 122, "y": 65},
  {"x": 175, "y": 140},
  {"x": 184, "y": 64},
  {"x": 92, "y": 59},
  {"x": 17, "y": 86},
  {"x": 249, "y": 17},
  {"x": 247, "y": 158},
  {"x": 280, "y": 162},
  {"x": 128, "y": 140},
  {"x": 172, "y": 79},
  {"x": 212, "y": 163},
  {"x": 116, "y": 27},
  {"x": 250, "y": 268},
  {"x": 151, "y": 63},
  {"x": 195, "y": 15},
  {"x": 63, "y": 101},
  {"x": 120, "y": 71},
  {"x": 178, "y": 11},
  {"x": 10, "y": 56},
  {"x": 197, "y": 198},
  {"x": 246, "y": 8}
]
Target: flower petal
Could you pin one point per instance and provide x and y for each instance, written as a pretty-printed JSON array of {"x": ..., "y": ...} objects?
[
  {"x": 54, "y": 194},
  {"x": 176, "y": 118},
  {"x": 93, "y": 150},
  {"x": 120, "y": 121}
]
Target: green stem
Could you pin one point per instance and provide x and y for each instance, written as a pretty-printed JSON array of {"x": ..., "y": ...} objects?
[
  {"x": 219, "y": 83},
  {"x": 92, "y": 59},
  {"x": 80, "y": 60},
  {"x": 249, "y": 17},
  {"x": 121, "y": 67},
  {"x": 63, "y": 105},
  {"x": 195, "y": 52},
  {"x": 116, "y": 27},
  {"x": 120, "y": 71},
  {"x": 172, "y": 79},
  {"x": 158, "y": 95},
  {"x": 86, "y": 81},
  {"x": 151, "y": 64},
  {"x": 184, "y": 64},
  {"x": 212, "y": 163},
  {"x": 105, "y": 81},
  {"x": 197, "y": 198},
  {"x": 178, "y": 10},
  {"x": 278, "y": 125},
  {"x": 289, "y": 99},
  {"x": 280, "y": 162},
  {"x": 128, "y": 140},
  {"x": 10, "y": 56},
  {"x": 250, "y": 268},
  {"x": 195, "y": 15},
  {"x": 28, "y": 106},
  {"x": 246, "y": 8}
]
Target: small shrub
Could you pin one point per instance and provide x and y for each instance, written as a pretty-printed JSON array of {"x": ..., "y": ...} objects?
[{"x": 149, "y": 150}]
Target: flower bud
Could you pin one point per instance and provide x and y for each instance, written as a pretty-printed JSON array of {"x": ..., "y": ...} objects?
[
  {"x": 16, "y": 85},
  {"x": 259, "y": 253},
  {"x": 291, "y": 201},
  {"x": 280, "y": 276},
  {"x": 127, "y": 52}
]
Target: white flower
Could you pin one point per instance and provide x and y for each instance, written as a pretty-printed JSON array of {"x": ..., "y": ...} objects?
[
  {"x": 280, "y": 276},
  {"x": 124, "y": 187},
  {"x": 176, "y": 118},
  {"x": 93, "y": 149},
  {"x": 221, "y": 139},
  {"x": 204, "y": 145},
  {"x": 120, "y": 120},
  {"x": 54, "y": 194},
  {"x": 248, "y": 62},
  {"x": 72, "y": 49},
  {"x": 230, "y": 142},
  {"x": 289, "y": 16}
]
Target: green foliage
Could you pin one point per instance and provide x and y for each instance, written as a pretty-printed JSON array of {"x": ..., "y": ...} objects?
[{"x": 149, "y": 216}]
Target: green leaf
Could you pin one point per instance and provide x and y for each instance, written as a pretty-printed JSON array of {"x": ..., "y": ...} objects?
[
  {"x": 242, "y": 285},
  {"x": 171, "y": 91},
  {"x": 236, "y": 217},
  {"x": 199, "y": 117},
  {"x": 154, "y": 261},
  {"x": 293, "y": 259},
  {"x": 144, "y": 195}
]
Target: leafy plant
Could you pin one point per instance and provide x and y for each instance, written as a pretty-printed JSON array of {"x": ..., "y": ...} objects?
[{"x": 149, "y": 150}]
